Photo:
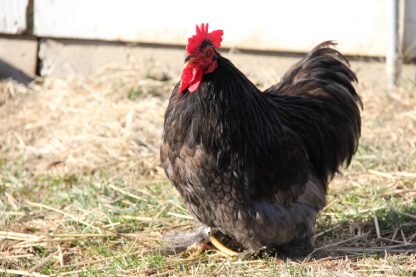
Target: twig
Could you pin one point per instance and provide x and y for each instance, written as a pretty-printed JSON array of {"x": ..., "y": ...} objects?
[
  {"x": 330, "y": 204},
  {"x": 334, "y": 227},
  {"x": 83, "y": 270},
  {"x": 125, "y": 192},
  {"x": 391, "y": 249},
  {"x": 220, "y": 267},
  {"x": 21, "y": 273},
  {"x": 10, "y": 257},
  {"x": 87, "y": 235},
  {"x": 403, "y": 236},
  {"x": 405, "y": 174},
  {"x": 43, "y": 261},
  {"x": 17, "y": 236},
  {"x": 381, "y": 174},
  {"x": 393, "y": 174},
  {"x": 180, "y": 215},
  {"x": 138, "y": 218},
  {"x": 396, "y": 230},
  {"x": 60, "y": 256},
  {"x": 333, "y": 244},
  {"x": 408, "y": 215},
  {"x": 157, "y": 216},
  {"x": 392, "y": 241},
  {"x": 377, "y": 227},
  {"x": 75, "y": 265},
  {"x": 12, "y": 213},
  {"x": 412, "y": 237},
  {"x": 43, "y": 206}
]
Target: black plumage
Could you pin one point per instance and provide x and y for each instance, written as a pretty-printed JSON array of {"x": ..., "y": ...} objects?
[{"x": 256, "y": 164}]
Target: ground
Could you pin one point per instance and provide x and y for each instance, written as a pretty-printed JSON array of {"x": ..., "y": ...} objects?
[{"x": 82, "y": 192}]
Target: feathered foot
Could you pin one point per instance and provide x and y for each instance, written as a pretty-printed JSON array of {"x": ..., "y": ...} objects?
[
  {"x": 190, "y": 242},
  {"x": 193, "y": 242}
]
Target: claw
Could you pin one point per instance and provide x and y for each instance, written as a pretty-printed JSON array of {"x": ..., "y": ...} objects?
[
  {"x": 222, "y": 248},
  {"x": 195, "y": 241}
]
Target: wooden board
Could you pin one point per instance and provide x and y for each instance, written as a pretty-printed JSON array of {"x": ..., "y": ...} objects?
[
  {"x": 409, "y": 36},
  {"x": 297, "y": 25},
  {"x": 13, "y": 16}
]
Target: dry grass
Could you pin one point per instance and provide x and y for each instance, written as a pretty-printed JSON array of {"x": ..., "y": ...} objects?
[{"x": 81, "y": 192}]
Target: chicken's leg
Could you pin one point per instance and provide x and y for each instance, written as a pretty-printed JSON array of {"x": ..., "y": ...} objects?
[
  {"x": 195, "y": 241},
  {"x": 188, "y": 240}
]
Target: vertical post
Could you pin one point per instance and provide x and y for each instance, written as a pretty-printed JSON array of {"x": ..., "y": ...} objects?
[{"x": 393, "y": 55}]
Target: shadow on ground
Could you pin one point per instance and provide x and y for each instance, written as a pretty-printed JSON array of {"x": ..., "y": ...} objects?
[{"x": 8, "y": 71}]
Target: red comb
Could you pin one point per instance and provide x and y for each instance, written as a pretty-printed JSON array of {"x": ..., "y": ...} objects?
[{"x": 215, "y": 37}]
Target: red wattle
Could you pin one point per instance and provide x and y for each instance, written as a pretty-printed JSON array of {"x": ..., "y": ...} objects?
[{"x": 191, "y": 77}]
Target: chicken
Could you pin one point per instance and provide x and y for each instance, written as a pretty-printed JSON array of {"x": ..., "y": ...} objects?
[{"x": 254, "y": 164}]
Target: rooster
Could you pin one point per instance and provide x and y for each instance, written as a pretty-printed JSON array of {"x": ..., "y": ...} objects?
[{"x": 255, "y": 165}]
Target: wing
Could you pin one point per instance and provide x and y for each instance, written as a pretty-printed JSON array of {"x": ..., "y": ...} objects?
[{"x": 277, "y": 164}]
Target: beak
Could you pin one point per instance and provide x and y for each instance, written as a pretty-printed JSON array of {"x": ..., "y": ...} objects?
[{"x": 189, "y": 60}]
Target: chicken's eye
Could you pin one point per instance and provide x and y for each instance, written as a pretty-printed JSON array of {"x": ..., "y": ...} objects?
[{"x": 207, "y": 53}]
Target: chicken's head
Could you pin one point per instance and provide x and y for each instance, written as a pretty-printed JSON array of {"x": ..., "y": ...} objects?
[{"x": 201, "y": 57}]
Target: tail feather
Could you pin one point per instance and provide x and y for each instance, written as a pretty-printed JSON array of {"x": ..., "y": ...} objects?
[{"x": 319, "y": 101}]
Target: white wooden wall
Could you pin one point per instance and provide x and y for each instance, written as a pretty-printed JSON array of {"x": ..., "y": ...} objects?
[
  {"x": 359, "y": 26},
  {"x": 409, "y": 38},
  {"x": 13, "y": 16}
]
